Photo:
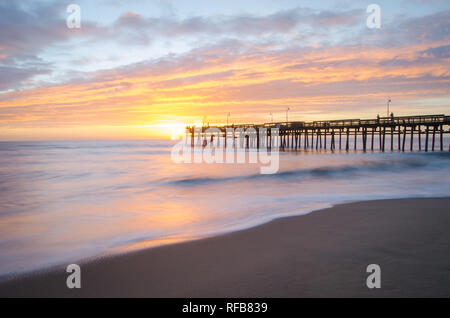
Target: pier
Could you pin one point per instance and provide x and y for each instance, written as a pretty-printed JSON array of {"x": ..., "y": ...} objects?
[{"x": 382, "y": 133}]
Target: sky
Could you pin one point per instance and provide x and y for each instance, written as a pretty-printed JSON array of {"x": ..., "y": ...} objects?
[{"x": 146, "y": 68}]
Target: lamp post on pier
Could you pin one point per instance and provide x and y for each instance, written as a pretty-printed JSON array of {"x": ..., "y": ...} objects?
[{"x": 388, "y": 102}]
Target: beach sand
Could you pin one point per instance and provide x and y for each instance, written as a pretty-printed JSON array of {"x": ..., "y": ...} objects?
[{"x": 322, "y": 254}]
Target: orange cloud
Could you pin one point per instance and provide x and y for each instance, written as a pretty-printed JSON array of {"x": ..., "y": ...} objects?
[{"x": 331, "y": 82}]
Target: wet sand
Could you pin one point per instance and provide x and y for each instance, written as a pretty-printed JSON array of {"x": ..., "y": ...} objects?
[{"x": 322, "y": 254}]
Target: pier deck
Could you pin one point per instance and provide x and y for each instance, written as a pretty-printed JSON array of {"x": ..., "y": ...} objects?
[{"x": 342, "y": 133}]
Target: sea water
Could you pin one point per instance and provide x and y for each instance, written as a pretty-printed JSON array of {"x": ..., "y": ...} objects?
[{"x": 62, "y": 201}]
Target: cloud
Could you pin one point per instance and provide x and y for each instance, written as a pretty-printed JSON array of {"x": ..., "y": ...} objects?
[
  {"x": 10, "y": 75},
  {"x": 439, "y": 52},
  {"x": 240, "y": 25},
  {"x": 26, "y": 30},
  {"x": 235, "y": 65},
  {"x": 32, "y": 29},
  {"x": 224, "y": 75},
  {"x": 409, "y": 30}
]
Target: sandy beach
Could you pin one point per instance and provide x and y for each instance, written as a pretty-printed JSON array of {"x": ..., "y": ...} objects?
[{"x": 322, "y": 254}]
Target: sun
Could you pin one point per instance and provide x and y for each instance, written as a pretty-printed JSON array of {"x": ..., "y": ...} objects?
[{"x": 172, "y": 130}]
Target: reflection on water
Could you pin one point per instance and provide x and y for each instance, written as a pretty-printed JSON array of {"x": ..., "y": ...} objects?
[{"x": 62, "y": 201}]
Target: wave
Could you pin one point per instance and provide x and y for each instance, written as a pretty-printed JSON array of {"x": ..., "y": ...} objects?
[
  {"x": 360, "y": 167},
  {"x": 83, "y": 144}
]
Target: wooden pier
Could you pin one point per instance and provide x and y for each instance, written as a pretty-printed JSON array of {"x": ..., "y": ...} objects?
[{"x": 383, "y": 133}]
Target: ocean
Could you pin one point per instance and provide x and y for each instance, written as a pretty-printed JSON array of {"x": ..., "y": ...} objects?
[{"x": 62, "y": 201}]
